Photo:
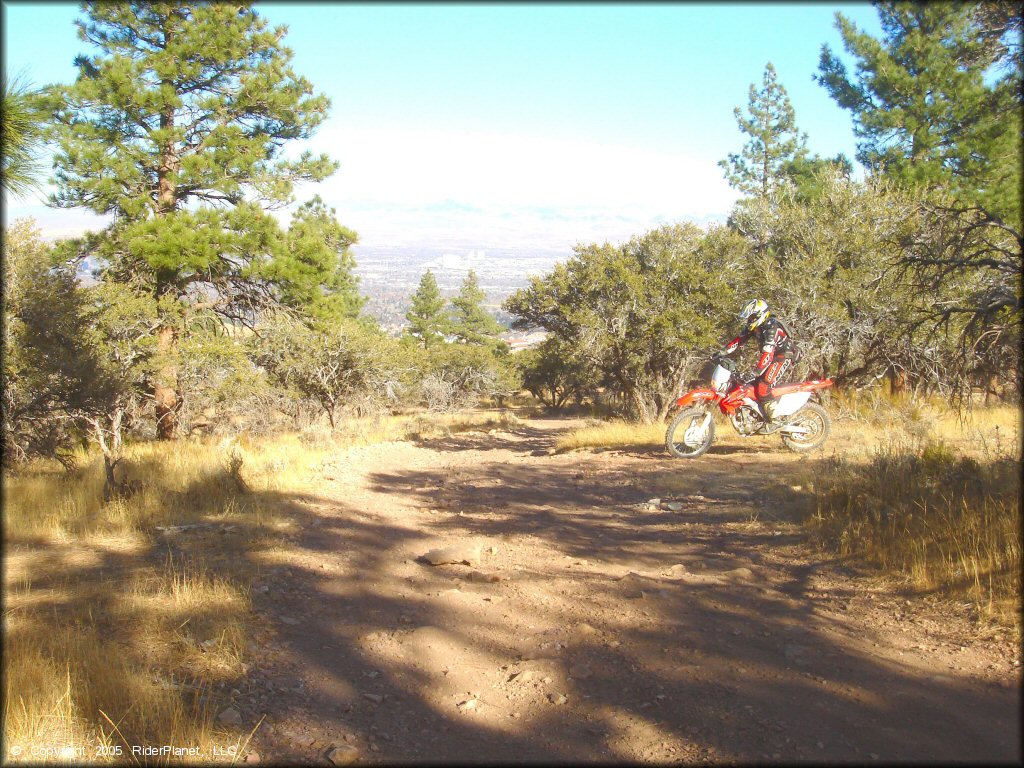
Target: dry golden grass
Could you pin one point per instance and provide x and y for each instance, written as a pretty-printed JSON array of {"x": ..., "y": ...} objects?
[
  {"x": 110, "y": 639},
  {"x": 428, "y": 426},
  {"x": 928, "y": 495},
  {"x": 97, "y": 666},
  {"x": 944, "y": 521},
  {"x": 869, "y": 421},
  {"x": 611, "y": 434},
  {"x": 108, "y": 643}
]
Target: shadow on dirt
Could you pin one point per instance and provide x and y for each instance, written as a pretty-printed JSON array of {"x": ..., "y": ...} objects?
[
  {"x": 719, "y": 664},
  {"x": 712, "y": 663},
  {"x": 529, "y": 440}
]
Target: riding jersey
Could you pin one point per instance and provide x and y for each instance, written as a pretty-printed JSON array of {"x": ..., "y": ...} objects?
[{"x": 774, "y": 338}]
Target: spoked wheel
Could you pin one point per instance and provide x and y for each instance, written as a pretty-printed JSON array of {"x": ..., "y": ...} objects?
[
  {"x": 690, "y": 434},
  {"x": 807, "y": 429}
]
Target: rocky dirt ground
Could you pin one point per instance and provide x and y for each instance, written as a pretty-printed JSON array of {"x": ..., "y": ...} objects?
[{"x": 611, "y": 606}]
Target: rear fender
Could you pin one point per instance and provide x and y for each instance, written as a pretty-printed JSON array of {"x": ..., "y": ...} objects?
[
  {"x": 697, "y": 396},
  {"x": 804, "y": 386}
]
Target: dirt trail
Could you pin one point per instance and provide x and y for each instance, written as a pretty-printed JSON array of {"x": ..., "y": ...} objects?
[{"x": 598, "y": 627}]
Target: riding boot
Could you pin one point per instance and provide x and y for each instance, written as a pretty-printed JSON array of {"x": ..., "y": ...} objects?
[{"x": 768, "y": 410}]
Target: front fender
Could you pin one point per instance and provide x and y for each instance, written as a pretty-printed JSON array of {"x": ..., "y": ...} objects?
[{"x": 696, "y": 396}]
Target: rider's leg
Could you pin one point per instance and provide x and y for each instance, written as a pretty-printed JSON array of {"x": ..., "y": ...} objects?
[
  {"x": 767, "y": 380},
  {"x": 764, "y": 398}
]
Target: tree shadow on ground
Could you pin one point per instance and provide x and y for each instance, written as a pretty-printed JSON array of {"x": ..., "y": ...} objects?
[
  {"x": 726, "y": 657},
  {"x": 358, "y": 638}
]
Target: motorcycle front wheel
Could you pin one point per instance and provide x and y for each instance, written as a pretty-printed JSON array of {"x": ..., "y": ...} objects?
[
  {"x": 814, "y": 424},
  {"x": 687, "y": 436}
]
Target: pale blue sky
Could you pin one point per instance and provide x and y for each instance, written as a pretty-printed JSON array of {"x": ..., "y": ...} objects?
[{"x": 525, "y": 124}]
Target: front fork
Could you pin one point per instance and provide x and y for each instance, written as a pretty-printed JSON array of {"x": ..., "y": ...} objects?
[{"x": 697, "y": 430}]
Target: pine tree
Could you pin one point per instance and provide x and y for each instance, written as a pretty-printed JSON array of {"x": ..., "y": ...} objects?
[
  {"x": 22, "y": 135},
  {"x": 937, "y": 106},
  {"x": 426, "y": 316},
  {"x": 177, "y": 128},
  {"x": 471, "y": 323},
  {"x": 936, "y": 102},
  {"x": 809, "y": 174},
  {"x": 315, "y": 272},
  {"x": 761, "y": 167}
]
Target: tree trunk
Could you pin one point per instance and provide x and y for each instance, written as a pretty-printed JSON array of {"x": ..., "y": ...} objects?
[
  {"x": 640, "y": 405},
  {"x": 111, "y": 451},
  {"x": 897, "y": 381},
  {"x": 665, "y": 408},
  {"x": 165, "y": 391},
  {"x": 990, "y": 382}
]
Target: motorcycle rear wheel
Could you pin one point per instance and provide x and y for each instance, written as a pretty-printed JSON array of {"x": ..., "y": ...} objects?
[
  {"x": 689, "y": 446},
  {"x": 816, "y": 421}
]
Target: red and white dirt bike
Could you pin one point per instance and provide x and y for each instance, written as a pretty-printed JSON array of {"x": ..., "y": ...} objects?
[{"x": 803, "y": 424}]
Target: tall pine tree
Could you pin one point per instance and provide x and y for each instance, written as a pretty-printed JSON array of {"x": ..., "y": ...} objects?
[
  {"x": 471, "y": 323},
  {"x": 936, "y": 101},
  {"x": 427, "y": 320},
  {"x": 937, "y": 106},
  {"x": 774, "y": 144},
  {"x": 177, "y": 127}
]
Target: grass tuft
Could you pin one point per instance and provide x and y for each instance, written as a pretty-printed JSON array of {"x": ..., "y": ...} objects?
[
  {"x": 108, "y": 640},
  {"x": 944, "y": 521},
  {"x": 612, "y": 435}
]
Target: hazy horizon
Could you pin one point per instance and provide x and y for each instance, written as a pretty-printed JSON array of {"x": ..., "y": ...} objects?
[{"x": 525, "y": 127}]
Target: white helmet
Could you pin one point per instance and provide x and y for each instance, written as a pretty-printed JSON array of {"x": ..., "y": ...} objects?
[{"x": 754, "y": 313}]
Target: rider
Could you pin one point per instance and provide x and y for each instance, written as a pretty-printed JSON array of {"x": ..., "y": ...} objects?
[{"x": 776, "y": 350}]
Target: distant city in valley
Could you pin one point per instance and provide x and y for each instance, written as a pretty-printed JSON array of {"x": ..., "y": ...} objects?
[{"x": 389, "y": 275}]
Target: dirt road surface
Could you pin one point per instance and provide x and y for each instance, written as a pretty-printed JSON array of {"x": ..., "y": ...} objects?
[{"x": 594, "y": 625}]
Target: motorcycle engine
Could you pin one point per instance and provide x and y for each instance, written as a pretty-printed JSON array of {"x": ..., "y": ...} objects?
[{"x": 745, "y": 420}]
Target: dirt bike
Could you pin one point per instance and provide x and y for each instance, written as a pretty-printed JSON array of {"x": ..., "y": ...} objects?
[{"x": 803, "y": 425}]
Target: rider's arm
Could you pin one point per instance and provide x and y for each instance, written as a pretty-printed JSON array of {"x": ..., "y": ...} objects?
[{"x": 733, "y": 345}]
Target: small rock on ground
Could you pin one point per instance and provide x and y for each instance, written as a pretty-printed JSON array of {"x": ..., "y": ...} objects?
[
  {"x": 230, "y": 716},
  {"x": 580, "y": 671},
  {"x": 792, "y": 651},
  {"x": 677, "y": 570},
  {"x": 453, "y": 555},
  {"x": 739, "y": 574},
  {"x": 343, "y": 755}
]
